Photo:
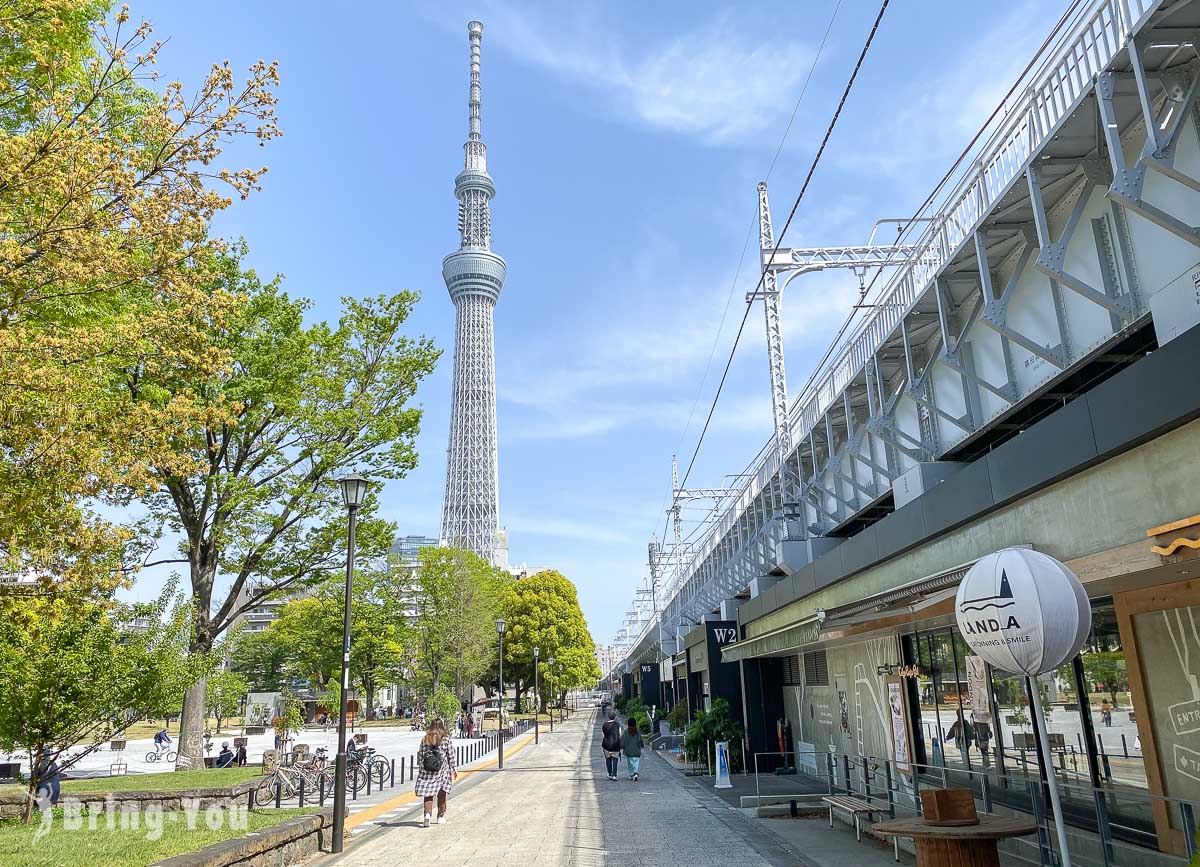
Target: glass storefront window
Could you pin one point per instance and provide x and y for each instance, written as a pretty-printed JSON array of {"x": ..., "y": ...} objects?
[
  {"x": 1110, "y": 703},
  {"x": 973, "y": 718}
]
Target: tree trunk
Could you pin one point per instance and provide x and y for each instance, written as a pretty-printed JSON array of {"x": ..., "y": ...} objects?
[
  {"x": 27, "y": 817},
  {"x": 368, "y": 683},
  {"x": 191, "y": 727}
]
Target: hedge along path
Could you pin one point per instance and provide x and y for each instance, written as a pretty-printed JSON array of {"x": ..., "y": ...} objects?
[{"x": 374, "y": 812}]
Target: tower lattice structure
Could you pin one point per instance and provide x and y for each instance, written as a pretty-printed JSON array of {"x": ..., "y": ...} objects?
[{"x": 474, "y": 276}]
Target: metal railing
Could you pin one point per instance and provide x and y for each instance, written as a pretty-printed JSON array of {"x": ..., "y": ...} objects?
[
  {"x": 1047, "y": 95},
  {"x": 398, "y": 772},
  {"x": 1058, "y": 79},
  {"x": 1103, "y": 818}
]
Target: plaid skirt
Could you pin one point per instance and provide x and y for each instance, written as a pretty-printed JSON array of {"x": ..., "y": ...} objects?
[{"x": 429, "y": 783}]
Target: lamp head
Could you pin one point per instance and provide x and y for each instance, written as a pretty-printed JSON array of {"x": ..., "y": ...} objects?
[
  {"x": 500, "y": 626},
  {"x": 354, "y": 490},
  {"x": 536, "y": 651}
]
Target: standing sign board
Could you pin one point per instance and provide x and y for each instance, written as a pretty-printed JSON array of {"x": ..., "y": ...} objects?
[
  {"x": 901, "y": 752},
  {"x": 722, "y": 781}
]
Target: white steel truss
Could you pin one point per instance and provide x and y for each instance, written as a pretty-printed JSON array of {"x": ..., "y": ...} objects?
[
  {"x": 474, "y": 276},
  {"x": 1041, "y": 257}
]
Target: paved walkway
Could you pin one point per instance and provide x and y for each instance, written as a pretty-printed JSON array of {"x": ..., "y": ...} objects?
[{"x": 552, "y": 805}]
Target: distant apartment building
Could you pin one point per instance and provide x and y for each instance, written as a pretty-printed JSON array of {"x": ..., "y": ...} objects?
[
  {"x": 606, "y": 656},
  {"x": 404, "y": 557},
  {"x": 264, "y": 612}
]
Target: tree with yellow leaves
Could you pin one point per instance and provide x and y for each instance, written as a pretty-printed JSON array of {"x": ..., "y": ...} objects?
[{"x": 108, "y": 183}]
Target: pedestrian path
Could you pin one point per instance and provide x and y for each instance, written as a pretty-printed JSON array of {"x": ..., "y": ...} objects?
[
  {"x": 552, "y": 805},
  {"x": 386, "y": 806}
]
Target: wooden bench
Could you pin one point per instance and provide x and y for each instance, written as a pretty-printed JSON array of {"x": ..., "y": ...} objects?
[{"x": 857, "y": 807}]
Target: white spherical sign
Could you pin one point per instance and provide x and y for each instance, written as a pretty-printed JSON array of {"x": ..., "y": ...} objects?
[{"x": 1023, "y": 611}]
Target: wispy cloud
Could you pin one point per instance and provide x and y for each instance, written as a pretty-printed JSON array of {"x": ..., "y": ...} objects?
[
  {"x": 935, "y": 114},
  {"x": 704, "y": 79}
]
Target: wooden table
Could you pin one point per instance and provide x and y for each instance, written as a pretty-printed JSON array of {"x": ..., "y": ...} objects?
[{"x": 957, "y": 845}]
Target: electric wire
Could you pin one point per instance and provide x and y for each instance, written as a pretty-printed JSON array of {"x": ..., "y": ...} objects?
[
  {"x": 749, "y": 233},
  {"x": 779, "y": 239},
  {"x": 833, "y": 345}
]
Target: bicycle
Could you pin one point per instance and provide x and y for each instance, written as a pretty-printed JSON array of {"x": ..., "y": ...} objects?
[
  {"x": 289, "y": 780},
  {"x": 169, "y": 754},
  {"x": 375, "y": 765}
]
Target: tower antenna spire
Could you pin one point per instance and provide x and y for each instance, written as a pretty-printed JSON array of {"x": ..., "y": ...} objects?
[{"x": 474, "y": 102}]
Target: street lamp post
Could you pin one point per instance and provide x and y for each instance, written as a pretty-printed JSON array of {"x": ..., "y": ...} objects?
[
  {"x": 500, "y": 716},
  {"x": 536, "y": 697},
  {"x": 354, "y": 491},
  {"x": 550, "y": 689},
  {"x": 560, "y": 678}
]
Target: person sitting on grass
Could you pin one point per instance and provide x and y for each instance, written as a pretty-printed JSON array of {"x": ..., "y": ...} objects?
[{"x": 225, "y": 757}]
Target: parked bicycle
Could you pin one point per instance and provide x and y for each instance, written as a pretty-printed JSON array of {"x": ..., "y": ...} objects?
[
  {"x": 375, "y": 765},
  {"x": 288, "y": 782}
]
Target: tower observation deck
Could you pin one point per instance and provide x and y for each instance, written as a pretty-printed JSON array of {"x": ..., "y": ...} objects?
[{"x": 474, "y": 276}]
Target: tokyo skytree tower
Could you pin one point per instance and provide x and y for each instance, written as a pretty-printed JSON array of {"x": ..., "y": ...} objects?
[{"x": 474, "y": 276}]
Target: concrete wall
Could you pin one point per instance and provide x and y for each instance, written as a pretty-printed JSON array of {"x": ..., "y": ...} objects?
[{"x": 1104, "y": 507}]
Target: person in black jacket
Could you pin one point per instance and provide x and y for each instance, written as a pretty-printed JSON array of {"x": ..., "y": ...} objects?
[{"x": 610, "y": 743}]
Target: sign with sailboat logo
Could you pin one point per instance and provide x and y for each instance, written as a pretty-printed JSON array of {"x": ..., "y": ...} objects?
[{"x": 1023, "y": 611}]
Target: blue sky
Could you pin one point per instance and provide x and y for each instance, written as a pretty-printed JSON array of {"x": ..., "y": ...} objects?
[{"x": 625, "y": 140}]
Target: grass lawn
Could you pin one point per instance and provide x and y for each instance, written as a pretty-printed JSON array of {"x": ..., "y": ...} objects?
[
  {"x": 120, "y": 848},
  {"x": 391, "y": 722},
  {"x": 165, "y": 782}
]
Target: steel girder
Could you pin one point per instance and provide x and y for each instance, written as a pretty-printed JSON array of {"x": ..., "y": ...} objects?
[{"x": 993, "y": 306}]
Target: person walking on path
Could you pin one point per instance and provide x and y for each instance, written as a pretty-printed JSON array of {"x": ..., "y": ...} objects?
[
  {"x": 631, "y": 744},
  {"x": 610, "y": 744},
  {"x": 436, "y": 771}
]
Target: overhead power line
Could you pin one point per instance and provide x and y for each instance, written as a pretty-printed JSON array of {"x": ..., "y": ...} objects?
[
  {"x": 750, "y": 232},
  {"x": 779, "y": 240}
]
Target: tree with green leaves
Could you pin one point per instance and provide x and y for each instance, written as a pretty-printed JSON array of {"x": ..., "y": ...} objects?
[
  {"x": 459, "y": 597},
  {"x": 1108, "y": 668},
  {"x": 444, "y": 705},
  {"x": 78, "y": 670},
  {"x": 259, "y": 512},
  {"x": 262, "y": 661},
  {"x": 224, "y": 692},
  {"x": 305, "y": 637},
  {"x": 543, "y": 611}
]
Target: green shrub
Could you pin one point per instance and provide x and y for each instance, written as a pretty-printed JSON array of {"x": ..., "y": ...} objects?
[
  {"x": 678, "y": 717},
  {"x": 707, "y": 728}
]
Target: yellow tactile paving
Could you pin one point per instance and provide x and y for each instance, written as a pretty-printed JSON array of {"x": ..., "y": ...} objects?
[{"x": 377, "y": 810}]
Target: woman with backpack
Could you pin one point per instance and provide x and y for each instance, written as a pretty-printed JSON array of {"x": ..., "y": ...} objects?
[
  {"x": 631, "y": 743},
  {"x": 610, "y": 744},
  {"x": 436, "y": 771}
]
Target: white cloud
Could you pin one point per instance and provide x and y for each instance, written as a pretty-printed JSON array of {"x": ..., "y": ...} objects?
[
  {"x": 707, "y": 79},
  {"x": 932, "y": 117}
]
